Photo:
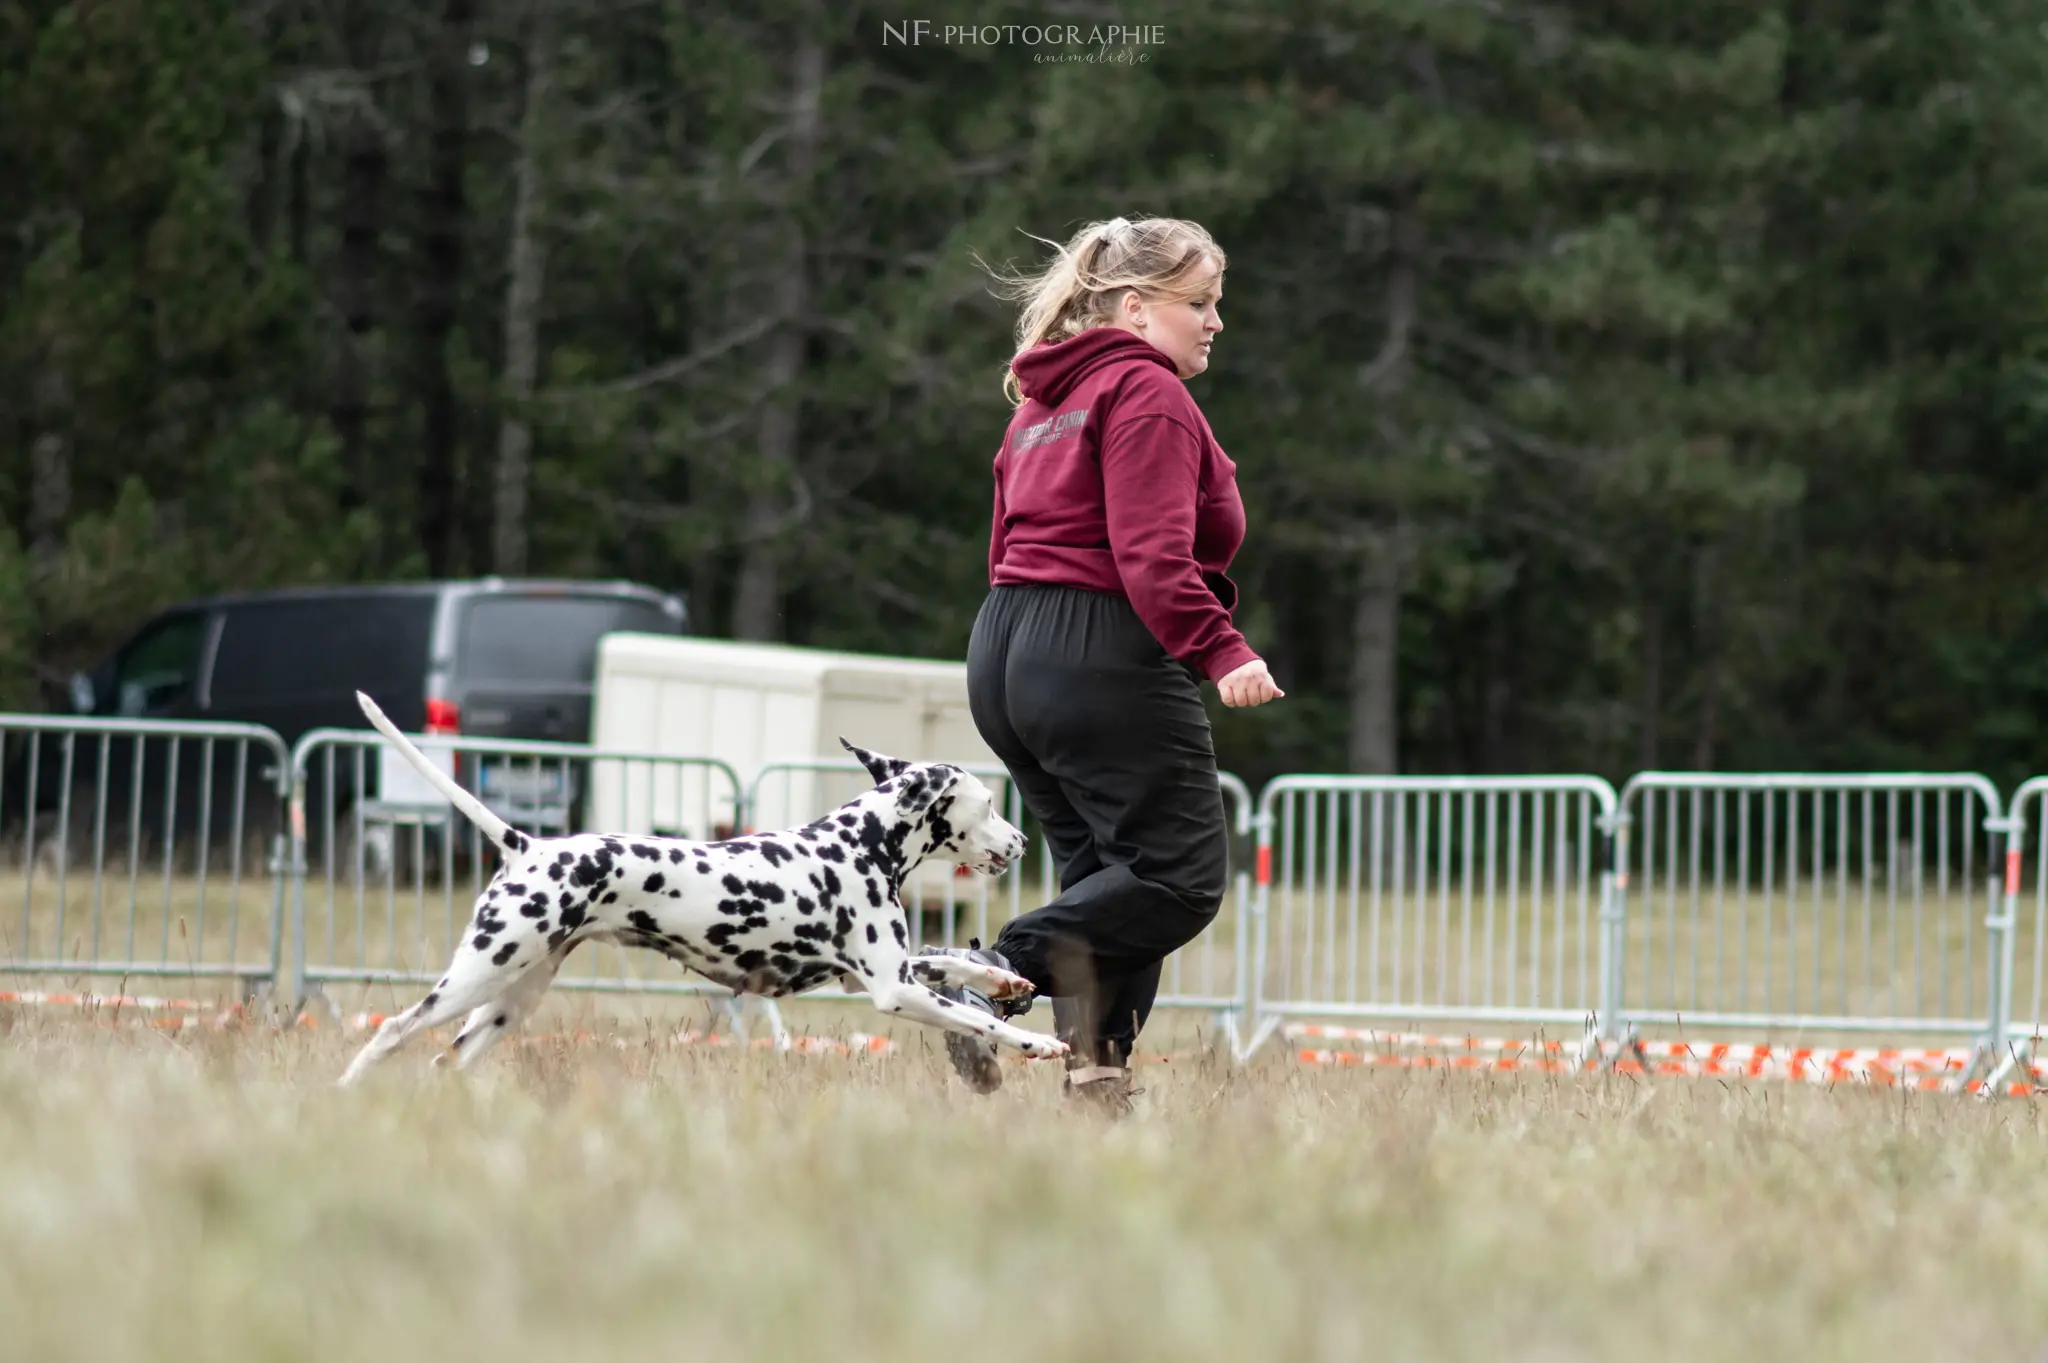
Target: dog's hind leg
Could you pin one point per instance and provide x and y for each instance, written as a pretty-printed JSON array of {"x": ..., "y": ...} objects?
[
  {"x": 455, "y": 995},
  {"x": 475, "y": 980},
  {"x": 494, "y": 1021}
]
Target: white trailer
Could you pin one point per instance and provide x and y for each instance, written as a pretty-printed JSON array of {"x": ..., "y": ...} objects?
[{"x": 776, "y": 713}]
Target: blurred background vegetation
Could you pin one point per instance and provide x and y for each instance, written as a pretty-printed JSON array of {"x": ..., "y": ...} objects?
[{"x": 1612, "y": 385}]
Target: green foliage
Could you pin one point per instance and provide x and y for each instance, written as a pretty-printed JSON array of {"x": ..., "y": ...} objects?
[{"x": 1697, "y": 354}]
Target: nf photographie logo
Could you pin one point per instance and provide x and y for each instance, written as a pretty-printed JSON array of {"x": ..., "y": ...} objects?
[{"x": 1120, "y": 44}]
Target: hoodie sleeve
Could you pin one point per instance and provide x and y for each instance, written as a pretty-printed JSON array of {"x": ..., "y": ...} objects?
[{"x": 1150, "y": 481}]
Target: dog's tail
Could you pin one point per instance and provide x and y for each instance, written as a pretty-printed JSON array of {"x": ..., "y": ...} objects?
[{"x": 494, "y": 828}]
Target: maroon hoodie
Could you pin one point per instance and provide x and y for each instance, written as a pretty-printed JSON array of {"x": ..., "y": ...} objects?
[{"x": 1110, "y": 479}]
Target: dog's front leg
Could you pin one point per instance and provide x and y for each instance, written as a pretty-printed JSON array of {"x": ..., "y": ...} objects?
[
  {"x": 989, "y": 981},
  {"x": 901, "y": 996}
]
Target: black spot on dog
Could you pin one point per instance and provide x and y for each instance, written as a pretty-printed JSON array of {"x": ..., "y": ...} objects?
[
  {"x": 555, "y": 871},
  {"x": 505, "y": 953},
  {"x": 765, "y": 890},
  {"x": 654, "y": 883},
  {"x": 644, "y": 921},
  {"x": 816, "y": 932},
  {"x": 588, "y": 872},
  {"x": 774, "y": 853},
  {"x": 610, "y": 897},
  {"x": 481, "y": 941},
  {"x": 433, "y": 996},
  {"x": 733, "y": 884},
  {"x": 833, "y": 854},
  {"x": 573, "y": 915},
  {"x": 902, "y": 937},
  {"x": 501, "y": 1020},
  {"x": 646, "y": 853},
  {"x": 751, "y": 960},
  {"x": 873, "y": 936},
  {"x": 515, "y": 841},
  {"x": 675, "y": 855},
  {"x": 536, "y": 907}
]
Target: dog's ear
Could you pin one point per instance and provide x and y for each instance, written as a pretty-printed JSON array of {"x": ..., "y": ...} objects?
[
  {"x": 879, "y": 767},
  {"x": 925, "y": 786}
]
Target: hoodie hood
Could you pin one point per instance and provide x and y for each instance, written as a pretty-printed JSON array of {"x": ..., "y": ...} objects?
[{"x": 1048, "y": 373}]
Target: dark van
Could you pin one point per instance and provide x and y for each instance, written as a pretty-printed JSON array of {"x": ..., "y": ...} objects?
[{"x": 496, "y": 658}]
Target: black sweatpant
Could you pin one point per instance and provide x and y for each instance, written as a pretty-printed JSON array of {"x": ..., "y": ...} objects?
[{"x": 1107, "y": 740}]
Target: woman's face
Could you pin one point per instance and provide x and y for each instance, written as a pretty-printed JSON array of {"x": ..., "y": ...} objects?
[{"x": 1180, "y": 329}]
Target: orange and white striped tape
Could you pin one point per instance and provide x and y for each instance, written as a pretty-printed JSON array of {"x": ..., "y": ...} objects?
[
  {"x": 1412, "y": 1040},
  {"x": 144, "y": 1002},
  {"x": 1804, "y": 1069},
  {"x": 857, "y": 1043},
  {"x": 1718, "y": 1052},
  {"x": 166, "y": 1015}
]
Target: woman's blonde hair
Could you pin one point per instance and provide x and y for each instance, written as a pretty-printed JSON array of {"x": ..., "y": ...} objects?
[{"x": 1163, "y": 259}]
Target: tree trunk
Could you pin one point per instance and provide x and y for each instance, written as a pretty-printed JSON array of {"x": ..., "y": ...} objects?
[
  {"x": 366, "y": 166},
  {"x": 1375, "y": 650},
  {"x": 527, "y": 269},
  {"x": 1707, "y": 631},
  {"x": 1498, "y": 751},
  {"x": 1383, "y": 550},
  {"x": 757, "y": 599},
  {"x": 444, "y": 208},
  {"x": 49, "y": 489},
  {"x": 1651, "y": 701}
]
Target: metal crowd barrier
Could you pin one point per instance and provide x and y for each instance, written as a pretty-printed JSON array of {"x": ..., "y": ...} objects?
[
  {"x": 2016, "y": 1035},
  {"x": 1812, "y": 904},
  {"x": 387, "y": 872},
  {"x": 1434, "y": 899},
  {"x": 142, "y": 850},
  {"x": 1768, "y": 904}
]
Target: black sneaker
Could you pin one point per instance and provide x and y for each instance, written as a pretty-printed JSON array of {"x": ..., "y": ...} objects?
[{"x": 974, "y": 1057}]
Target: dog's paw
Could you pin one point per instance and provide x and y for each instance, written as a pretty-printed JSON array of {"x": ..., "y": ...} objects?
[
  {"x": 1005, "y": 986},
  {"x": 1043, "y": 1047}
]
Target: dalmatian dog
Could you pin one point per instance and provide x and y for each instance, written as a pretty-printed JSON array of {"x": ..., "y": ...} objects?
[{"x": 769, "y": 913}]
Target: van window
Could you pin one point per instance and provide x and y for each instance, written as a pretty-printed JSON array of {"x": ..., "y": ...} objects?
[
  {"x": 158, "y": 669},
  {"x": 546, "y": 638},
  {"x": 317, "y": 646}
]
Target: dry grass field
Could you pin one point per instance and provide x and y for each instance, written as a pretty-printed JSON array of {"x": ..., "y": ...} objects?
[{"x": 211, "y": 1195}]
